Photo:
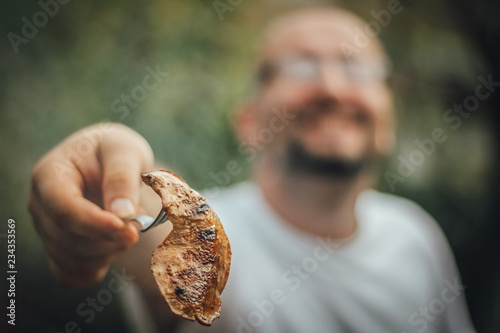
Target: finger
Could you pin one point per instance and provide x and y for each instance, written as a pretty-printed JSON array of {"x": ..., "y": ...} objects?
[
  {"x": 66, "y": 209},
  {"x": 77, "y": 279},
  {"x": 83, "y": 247},
  {"x": 84, "y": 218},
  {"x": 124, "y": 156},
  {"x": 67, "y": 241},
  {"x": 67, "y": 267},
  {"x": 74, "y": 266}
]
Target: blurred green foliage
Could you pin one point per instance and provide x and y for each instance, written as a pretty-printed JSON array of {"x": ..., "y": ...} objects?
[{"x": 92, "y": 52}]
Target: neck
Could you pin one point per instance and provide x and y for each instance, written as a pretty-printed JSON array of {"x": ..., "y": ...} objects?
[{"x": 319, "y": 206}]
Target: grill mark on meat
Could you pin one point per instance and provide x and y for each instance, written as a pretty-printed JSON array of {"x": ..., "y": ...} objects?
[
  {"x": 208, "y": 234},
  {"x": 202, "y": 208}
]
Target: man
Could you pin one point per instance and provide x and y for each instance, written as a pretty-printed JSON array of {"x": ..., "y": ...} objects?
[{"x": 314, "y": 249}]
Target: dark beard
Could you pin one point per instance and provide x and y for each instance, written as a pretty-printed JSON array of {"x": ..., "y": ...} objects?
[{"x": 299, "y": 160}]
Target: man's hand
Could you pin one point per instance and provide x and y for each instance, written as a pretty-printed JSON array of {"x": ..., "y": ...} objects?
[{"x": 80, "y": 189}]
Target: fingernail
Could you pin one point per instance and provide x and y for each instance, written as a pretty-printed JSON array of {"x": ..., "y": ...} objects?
[{"x": 122, "y": 207}]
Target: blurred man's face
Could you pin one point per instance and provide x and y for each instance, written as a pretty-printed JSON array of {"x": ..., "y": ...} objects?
[{"x": 341, "y": 104}]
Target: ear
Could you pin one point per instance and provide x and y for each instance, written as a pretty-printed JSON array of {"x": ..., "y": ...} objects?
[{"x": 245, "y": 123}]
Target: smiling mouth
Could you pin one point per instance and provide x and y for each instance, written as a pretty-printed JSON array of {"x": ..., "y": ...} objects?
[
  {"x": 311, "y": 113},
  {"x": 334, "y": 119}
]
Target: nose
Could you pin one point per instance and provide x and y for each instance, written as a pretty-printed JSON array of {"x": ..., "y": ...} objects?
[{"x": 332, "y": 80}]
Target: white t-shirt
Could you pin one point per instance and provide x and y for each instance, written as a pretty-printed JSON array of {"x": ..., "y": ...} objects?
[{"x": 395, "y": 274}]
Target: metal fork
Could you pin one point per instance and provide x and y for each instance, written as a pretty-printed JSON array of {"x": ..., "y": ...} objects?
[{"x": 147, "y": 222}]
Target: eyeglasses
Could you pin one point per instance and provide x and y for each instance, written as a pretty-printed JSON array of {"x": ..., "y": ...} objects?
[{"x": 307, "y": 69}]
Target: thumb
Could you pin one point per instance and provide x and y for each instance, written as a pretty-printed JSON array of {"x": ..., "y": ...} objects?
[
  {"x": 123, "y": 156},
  {"x": 121, "y": 183}
]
